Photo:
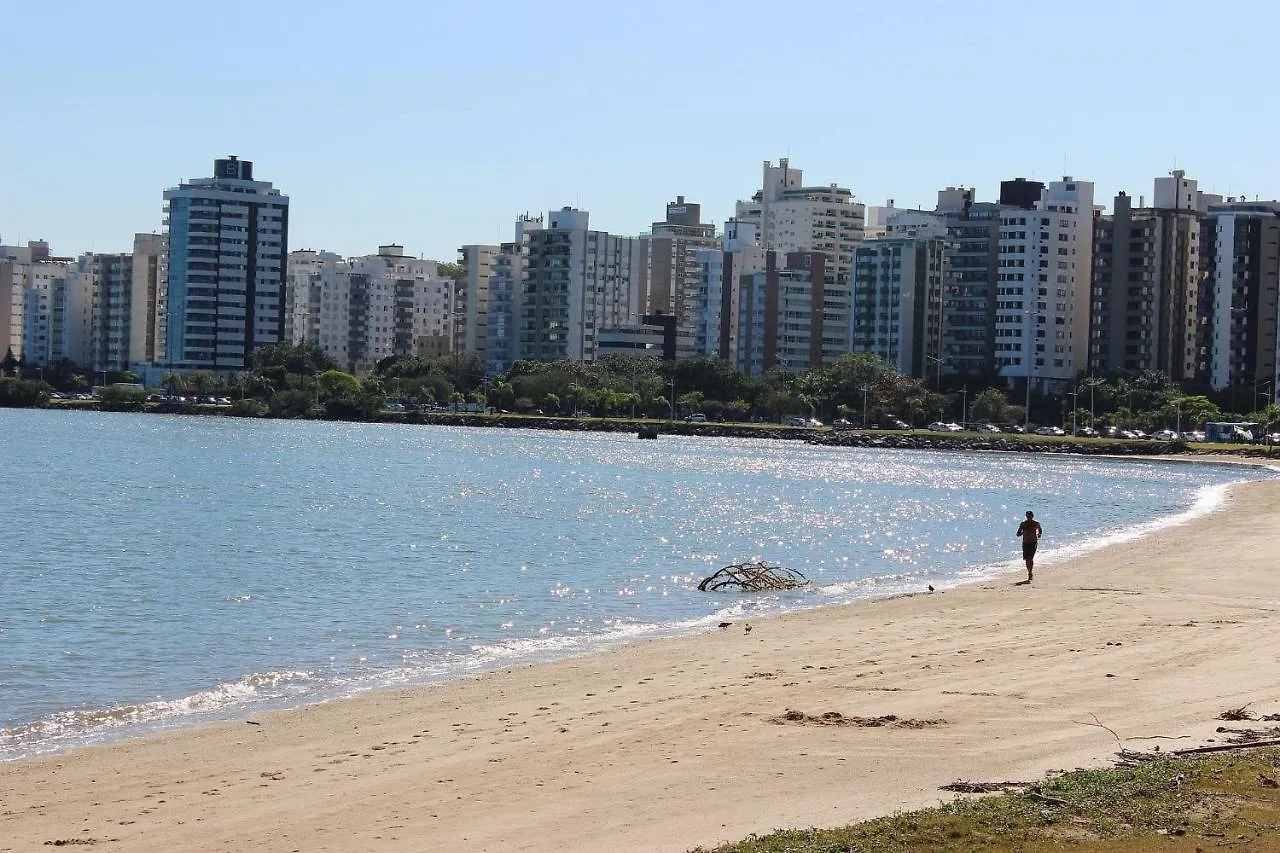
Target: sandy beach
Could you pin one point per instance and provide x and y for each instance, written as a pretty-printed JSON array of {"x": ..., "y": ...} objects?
[{"x": 668, "y": 744}]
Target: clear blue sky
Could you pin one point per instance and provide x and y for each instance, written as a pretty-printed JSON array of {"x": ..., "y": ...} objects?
[{"x": 433, "y": 124}]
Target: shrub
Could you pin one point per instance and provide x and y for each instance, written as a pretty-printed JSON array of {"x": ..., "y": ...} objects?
[
  {"x": 247, "y": 408},
  {"x": 16, "y": 393}
]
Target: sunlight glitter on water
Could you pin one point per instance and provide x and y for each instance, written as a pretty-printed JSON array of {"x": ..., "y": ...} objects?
[{"x": 226, "y": 551}]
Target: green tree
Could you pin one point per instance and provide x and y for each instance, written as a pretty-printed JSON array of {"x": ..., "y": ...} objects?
[
  {"x": 1190, "y": 412},
  {"x": 290, "y": 403},
  {"x": 305, "y": 359},
  {"x": 335, "y": 383},
  {"x": 19, "y": 393},
  {"x": 990, "y": 406},
  {"x": 119, "y": 399}
]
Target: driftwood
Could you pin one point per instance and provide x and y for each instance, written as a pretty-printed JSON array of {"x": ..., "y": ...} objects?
[
  {"x": 964, "y": 787},
  {"x": 753, "y": 577},
  {"x": 1237, "y": 713},
  {"x": 1229, "y": 747}
]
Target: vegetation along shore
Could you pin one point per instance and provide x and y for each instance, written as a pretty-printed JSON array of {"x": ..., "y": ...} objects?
[{"x": 858, "y": 401}]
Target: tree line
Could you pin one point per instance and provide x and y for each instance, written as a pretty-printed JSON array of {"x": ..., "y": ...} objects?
[{"x": 301, "y": 380}]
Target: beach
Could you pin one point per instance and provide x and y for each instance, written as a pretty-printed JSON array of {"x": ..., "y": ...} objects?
[{"x": 816, "y": 718}]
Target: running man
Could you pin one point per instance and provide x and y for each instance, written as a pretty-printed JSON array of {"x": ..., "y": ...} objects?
[{"x": 1030, "y": 531}]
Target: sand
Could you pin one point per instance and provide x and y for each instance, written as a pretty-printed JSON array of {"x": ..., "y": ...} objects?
[{"x": 668, "y": 744}]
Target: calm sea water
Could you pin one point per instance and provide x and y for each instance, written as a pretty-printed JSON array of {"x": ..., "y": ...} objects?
[{"x": 164, "y": 570}]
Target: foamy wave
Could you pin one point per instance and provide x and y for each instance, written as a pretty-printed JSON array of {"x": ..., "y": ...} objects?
[
  {"x": 78, "y": 727},
  {"x": 1208, "y": 499}
]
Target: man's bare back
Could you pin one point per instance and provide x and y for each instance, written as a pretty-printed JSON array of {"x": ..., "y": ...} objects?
[{"x": 1030, "y": 531}]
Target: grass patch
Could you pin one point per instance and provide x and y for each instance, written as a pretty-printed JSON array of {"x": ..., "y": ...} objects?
[{"x": 1213, "y": 802}]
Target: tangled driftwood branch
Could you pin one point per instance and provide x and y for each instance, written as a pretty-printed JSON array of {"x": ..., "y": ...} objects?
[{"x": 754, "y": 577}]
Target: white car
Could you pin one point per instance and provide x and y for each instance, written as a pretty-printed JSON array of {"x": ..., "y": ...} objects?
[
  {"x": 940, "y": 426},
  {"x": 1050, "y": 430},
  {"x": 987, "y": 428},
  {"x": 1165, "y": 435}
]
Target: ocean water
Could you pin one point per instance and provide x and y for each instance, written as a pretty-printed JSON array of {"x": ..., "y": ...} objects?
[{"x": 160, "y": 571}]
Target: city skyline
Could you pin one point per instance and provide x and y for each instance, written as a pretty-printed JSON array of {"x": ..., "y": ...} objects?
[{"x": 440, "y": 143}]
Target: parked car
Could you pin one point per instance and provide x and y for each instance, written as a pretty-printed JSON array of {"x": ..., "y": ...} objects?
[
  {"x": 1018, "y": 429},
  {"x": 1165, "y": 435},
  {"x": 841, "y": 423},
  {"x": 696, "y": 417},
  {"x": 1050, "y": 430},
  {"x": 891, "y": 422},
  {"x": 1111, "y": 432},
  {"x": 1193, "y": 435},
  {"x": 582, "y": 413},
  {"x": 940, "y": 426},
  {"x": 797, "y": 421},
  {"x": 1087, "y": 432},
  {"x": 986, "y": 428},
  {"x": 813, "y": 422}
]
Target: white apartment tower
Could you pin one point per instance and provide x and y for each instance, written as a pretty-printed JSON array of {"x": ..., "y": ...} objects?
[
  {"x": 228, "y": 238},
  {"x": 720, "y": 272},
  {"x": 1042, "y": 297},
  {"x": 576, "y": 281},
  {"x": 477, "y": 265},
  {"x": 22, "y": 269},
  {"x": 376, "y": 306},
  {"x": 302, "y": 291},
  {"x": 796, "y": 218}
]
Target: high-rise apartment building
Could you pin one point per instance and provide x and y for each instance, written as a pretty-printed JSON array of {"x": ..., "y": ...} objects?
[
  {"x": 721, "y": 271},
  {"x": 146, "y": 299},
  {"x": 477, "y": 263},
  {"x": 970, "y": 282},
  {"x": 575, "y": 282},
  {"x": 1148, "y": 288},
  {"x": 506, "y": 289},
  {"x": 77, "y": 314},
  {"x": 227, "y": 239},
  {"x": 793, "y": 316},
  {"x": 364, "y": 309},
  {"x": 796, "y": 218},
  {"x": 23, "y": 268},
  {"x": 1043, "y": 299},
  {"x": 302, "y": 294},
  {"x": 1241, "y": 250},
  {"x": 672, "y": 275},
  {"x": 897, "y": 293}
]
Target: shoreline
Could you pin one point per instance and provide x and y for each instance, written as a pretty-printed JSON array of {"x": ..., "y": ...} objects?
[
  {"x": 662, "y": 744},
  {"x": 915, "y": 439},
  {"x": 143, "y": 720}
]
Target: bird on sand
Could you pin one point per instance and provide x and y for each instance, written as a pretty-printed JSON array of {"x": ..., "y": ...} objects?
[
  {"x": 930, "y": 587},
  {"x": 747, "y": 629}
]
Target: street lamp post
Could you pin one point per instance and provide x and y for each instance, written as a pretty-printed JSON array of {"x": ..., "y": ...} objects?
[
  {"x": 964, "y": 405},
  {"x": 1075, "y": 408},
  {"x": 865, "y": 390},
  {"x": 673, "y": 398}
]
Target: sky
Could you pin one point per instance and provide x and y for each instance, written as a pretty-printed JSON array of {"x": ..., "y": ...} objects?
[{"x": 434, "y": 124}]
